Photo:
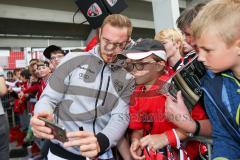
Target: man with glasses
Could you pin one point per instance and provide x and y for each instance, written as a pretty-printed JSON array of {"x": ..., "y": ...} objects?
[
  {"x": 90, "y": 94},
  {"x": 54, "y": 54}
]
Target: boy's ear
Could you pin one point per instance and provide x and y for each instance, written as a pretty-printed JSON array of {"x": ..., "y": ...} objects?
[{"x": 178, "y": 44}]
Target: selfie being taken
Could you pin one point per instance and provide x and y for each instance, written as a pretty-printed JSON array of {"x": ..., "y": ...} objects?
[{"x": 120, "y": 80}]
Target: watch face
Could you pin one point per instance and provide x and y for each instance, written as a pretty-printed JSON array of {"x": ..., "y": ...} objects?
[{"x": 190, "y": 134}]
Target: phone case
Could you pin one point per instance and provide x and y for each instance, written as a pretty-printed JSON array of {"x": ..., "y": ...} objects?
[{"x": 58, "y": 132}]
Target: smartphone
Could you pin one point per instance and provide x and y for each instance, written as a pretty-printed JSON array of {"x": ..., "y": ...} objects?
[{"x": 58, "y": 132}]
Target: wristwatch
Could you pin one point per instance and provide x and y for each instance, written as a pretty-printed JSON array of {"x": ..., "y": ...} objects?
[{"x": 197, "y": 129}]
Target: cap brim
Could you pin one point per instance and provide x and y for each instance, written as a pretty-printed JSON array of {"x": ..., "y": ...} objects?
[{"x": 136, "y": 55}]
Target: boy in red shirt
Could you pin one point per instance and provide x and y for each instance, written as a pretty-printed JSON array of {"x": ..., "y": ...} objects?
[{"x": 151, "y": 129}]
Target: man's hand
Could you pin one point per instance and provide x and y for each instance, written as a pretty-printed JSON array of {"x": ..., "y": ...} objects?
[
  {"x": 154, "y": 142},
  {"x": 86, "y": 141},
  {"x": 38, "y": 126},
  {"x": 136, "y": 150}
]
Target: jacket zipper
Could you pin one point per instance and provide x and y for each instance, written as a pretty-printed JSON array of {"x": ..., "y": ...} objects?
[
  {"x": 106, "y": 91},
  {"x": 96, "y": 102}
]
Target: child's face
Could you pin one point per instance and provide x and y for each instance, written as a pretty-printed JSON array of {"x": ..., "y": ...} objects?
[
  {"x": 35, "y": 70},
  {"x": 56, "y": 58},
  {"x": 23, "y": 79},
  {"x": 43, "y": 71},
  {"x": 187, "y": 32},
  {"x": 187, "y": 47},
  {"x": 215, "y": 54},
  {"x": 171, "y": 47},
  {"x": 146, "y": 70}
]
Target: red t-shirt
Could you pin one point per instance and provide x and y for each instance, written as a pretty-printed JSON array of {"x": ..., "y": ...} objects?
[{"x": 147, "y": 111}]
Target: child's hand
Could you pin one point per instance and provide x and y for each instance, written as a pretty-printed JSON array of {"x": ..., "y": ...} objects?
[
  {"x": 154, "y": 142},
  {"x": 177, "y": 112},
  {"x": 136, "y": 150}
]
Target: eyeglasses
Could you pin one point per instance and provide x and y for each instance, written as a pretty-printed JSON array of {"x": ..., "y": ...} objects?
[
  {"x": 139, "y": 66},
  {"x": 110, "y": 46}
]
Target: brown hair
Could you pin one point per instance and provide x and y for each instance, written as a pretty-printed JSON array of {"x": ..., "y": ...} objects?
[
  {"x": 220, "y": 16},
  {"x": 187, "y": 16},
  {"x": 42, "y": 63},
  {"x": 32, "y": 63},
  {"x": 118, "y": 20}
]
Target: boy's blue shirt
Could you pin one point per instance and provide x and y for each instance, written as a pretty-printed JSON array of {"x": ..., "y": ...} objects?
[{"x": 224, "y": 144}]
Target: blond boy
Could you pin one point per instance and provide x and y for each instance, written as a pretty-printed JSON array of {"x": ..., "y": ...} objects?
[{"x": 217, "y": 34}]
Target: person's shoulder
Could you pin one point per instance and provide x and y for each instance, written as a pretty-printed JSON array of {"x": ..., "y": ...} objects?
[
  {"x": 73, "y": 55},
  {"x": 213, "y": 76},
  {"x": 209, "y": 75},
  {"x": 212, "y": 82}
]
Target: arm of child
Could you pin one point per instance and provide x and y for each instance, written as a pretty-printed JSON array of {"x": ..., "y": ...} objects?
[
  {"x": 158, "y": 141},
  {"x": 135, "y": 148},
  {"x": 124, "y": 148},
  {"x": 177, "y": 113}
]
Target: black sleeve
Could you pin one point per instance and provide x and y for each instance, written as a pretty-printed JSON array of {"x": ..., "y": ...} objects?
[{"x": 103, "y": 142}]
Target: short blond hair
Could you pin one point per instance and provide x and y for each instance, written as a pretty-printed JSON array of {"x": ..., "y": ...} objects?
[
  {"x": 221, "y": 16},
  {"x": 118, "y": 20},
  {"x": 173, "y": 34}
]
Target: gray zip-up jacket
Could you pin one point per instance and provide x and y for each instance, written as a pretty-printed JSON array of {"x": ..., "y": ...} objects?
[{"x": 89, "y": 94}]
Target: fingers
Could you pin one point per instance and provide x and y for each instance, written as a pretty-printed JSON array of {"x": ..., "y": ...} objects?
[
  {"x": 79, "y": 134},
  {"x": 145, "y": 141},
  {"x": 170, "y": 102},
  {"x": 90, "y": 154},
  {"x": 36, "y": 122},
  {"x": 47, "y": 115},
  {"x": 43, "y": 129},
  {"x": 149, "y": 142},
  {"x": 38, "y": 127},
  {"x": 179, "y": 97},
  {"x": 80, "y": 141},
  {"x": 171, "y": 97},
  {"x": 89, "y": 147},
  {"x": 134, "y": 146},
  {"x": 136, "y": 153},
  {"x": 138, "y": 157},
  {"x": 86, "y": 141},
  {"x": 80, "y": 138},
  {"x": 40, "y": 134}
]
